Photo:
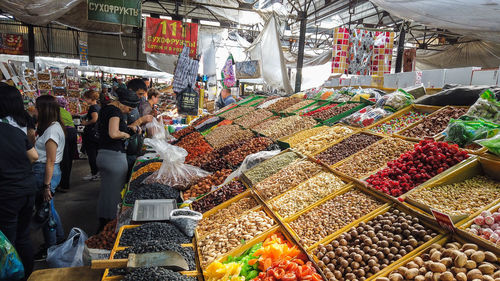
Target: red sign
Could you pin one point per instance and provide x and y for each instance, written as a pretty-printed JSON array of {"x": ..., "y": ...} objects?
[
  {"x": 170, "y": 36},
  {"x": 444, "y": 220},
  {"x": 11, "y": 44}
]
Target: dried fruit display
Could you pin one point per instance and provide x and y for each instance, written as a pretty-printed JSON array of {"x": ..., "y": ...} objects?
[
  {"x": 286, "y": 126},
  {"x": 328, "y": 112},
  {"x": 370, "y": 247},
  {"x": 399, "y": 123},
  {"x": 307, "y": 193},
  {"x": 317, "y": 142},
  {"x": 428, "y": 159},
  {"x": 295, "y": 139},
  {"x": 237, "y": 112},
  {"x": 486, "y": 225},
  {"x": 254, "y": 145},
  {"x": 465, "y": 197},
  {"x": 218, "y": 196},
  {"x": 288, "y": 177},
  {"x": 283, "y": 103},
  {"x": 297, "y": 106},
  {"x": 253, "y": 118},
  {"x": 104, "y": 239},
  {"x": 374, "y": 157},
  {"x": 269, "y": 167},
  {"x": 434, "y": 123},
  {"x": 225, "y": 135},
  {"x": 327, "y": 218},
  {"x": 163, "y": 231},
  {"x": 205, "y": 184},
  {"x": 346, "y": 148},
  {"x": 452, "y": 261}
]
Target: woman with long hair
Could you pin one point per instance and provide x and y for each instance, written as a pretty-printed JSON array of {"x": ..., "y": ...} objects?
[
  {"x": 17, "y": 182},
  {"x": 90, "y": 138},
  {"x": 111, "y": 157},
  {"x": 50, "y": 146}
]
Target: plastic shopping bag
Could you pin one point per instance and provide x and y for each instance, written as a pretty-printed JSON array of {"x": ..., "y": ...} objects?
[
  {"x": 465, "y": 132},
  {"x": 247, "y": 164},
  {"x": 486, "y": 107},
  {"x": 186, "y": 220},
  {"x": 173, "y": 172},
  {"x": 395, "y": 101},
  {"x": 72, "y": 253},
  {"x": 11, "y": 267},
  {"x": 157, "y": 130},
  {"x": 493, "y": 144}
]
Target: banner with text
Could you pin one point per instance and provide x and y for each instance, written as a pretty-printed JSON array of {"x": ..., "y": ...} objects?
[
  {"x": 83, "y": 49},
  {"x": 125, "y": 12},
  {"x": 169, "y": 36},
  {"x": 11, "y": 44}
]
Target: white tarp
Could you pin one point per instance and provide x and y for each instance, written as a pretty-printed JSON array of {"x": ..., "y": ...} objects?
[
  {"x": 477, "y": 18},
  {"x": 267, "y": 49},
  {"x": 38, "y": 12}
]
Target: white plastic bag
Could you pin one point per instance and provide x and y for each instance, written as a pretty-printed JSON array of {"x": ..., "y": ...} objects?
[
  {"x": 173, "y": 172},
  {"x": 72, "y": 253},
  {"x": 247, "y": 164},
  {"x": 157, "y": 130},
  {"x": 186, "y": 220}
]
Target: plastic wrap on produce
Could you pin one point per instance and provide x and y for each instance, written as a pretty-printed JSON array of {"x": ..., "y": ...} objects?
[
  {"x": 457, "y": 95},
  {"x": 249, "y": 162}
]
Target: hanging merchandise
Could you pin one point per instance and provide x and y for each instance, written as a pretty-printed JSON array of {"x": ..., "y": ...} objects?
[
  {"x": 187, "y": 101},
  {"x": 362, "y": 52},
  {"x": 227, "y": 73},
  {"x": 185, "y": 72},
  {"x": 248, "y": 69}
]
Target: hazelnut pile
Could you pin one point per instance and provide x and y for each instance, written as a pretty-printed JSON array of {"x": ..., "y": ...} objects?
[
  {"x": 434, "y": 123},
  {"x": 372, "y": 246}
]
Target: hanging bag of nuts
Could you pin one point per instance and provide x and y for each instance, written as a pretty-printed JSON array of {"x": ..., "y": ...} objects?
[{"x": 185, "y": 220}]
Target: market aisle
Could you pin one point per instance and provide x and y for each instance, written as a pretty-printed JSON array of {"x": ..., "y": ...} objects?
[{"x": 77, "y": 207}]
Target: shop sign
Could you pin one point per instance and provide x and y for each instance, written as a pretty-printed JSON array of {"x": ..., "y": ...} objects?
[
  {"x": 169, "y": 36},
  {"x": 83, "y": 49},
  {"x": 443, "y": 220},
  {"x": 124, "y": 12},
  {"x": 11, "y": 44}
]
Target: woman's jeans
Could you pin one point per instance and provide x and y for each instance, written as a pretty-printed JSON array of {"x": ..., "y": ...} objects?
[{"x": 53, "y": 234}]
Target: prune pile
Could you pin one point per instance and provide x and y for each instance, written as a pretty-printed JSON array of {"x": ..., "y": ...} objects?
[{"x": 156, "y": 274}]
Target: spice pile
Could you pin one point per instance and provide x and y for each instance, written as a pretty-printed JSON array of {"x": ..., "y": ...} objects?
[{"x": 428, "y": 159}]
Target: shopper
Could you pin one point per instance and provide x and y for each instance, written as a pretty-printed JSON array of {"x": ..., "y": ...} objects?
[
  {"x": 111, "y": 158},
  {"x": 225, "y": 98},
  {"x": 70, "y": 147},
  {"x": 17, "y": 181},
  {"x": 90, "y": 137},
  {"x": 146, "y": 107},
  {"x": 49, "y": 144}
]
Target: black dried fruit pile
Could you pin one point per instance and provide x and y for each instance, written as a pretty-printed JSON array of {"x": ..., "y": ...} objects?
[
  {"x": 155, "y": 274},
  {"x": 159, "y": 246},
  {"x": 217, "y": 197},
  {"x": 153, "y": 231},
  {"x": 209, "y": 123},
  {"x": 152, "y": 191},
  {"x": 137, "y": 183}
]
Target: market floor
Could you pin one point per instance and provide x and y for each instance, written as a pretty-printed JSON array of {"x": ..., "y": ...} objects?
[{"x": 77, "y": 207}]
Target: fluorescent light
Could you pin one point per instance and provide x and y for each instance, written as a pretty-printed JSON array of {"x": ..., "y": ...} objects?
[
  {"x": 165, "y": 17},
  {"x": 211, "y": 23}
]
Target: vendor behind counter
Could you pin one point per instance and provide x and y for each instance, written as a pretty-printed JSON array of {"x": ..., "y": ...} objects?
[{"x": 225, "y": 98}]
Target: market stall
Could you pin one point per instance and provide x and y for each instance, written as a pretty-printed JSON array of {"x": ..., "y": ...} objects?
[{"x": 290, "y": 194}]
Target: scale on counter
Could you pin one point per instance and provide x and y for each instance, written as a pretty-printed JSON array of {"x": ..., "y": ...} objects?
[{"x": 153, "y": 209}]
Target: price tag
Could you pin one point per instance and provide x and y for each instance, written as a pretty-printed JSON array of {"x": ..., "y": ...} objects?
[{"x": 444, "y": 220}]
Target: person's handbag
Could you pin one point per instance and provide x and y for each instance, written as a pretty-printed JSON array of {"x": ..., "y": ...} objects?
[
  {"x": 134, "y": 144},
  {"x": 42, "y": 210}
]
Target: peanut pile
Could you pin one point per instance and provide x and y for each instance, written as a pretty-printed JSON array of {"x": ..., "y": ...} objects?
[
  {"x": 288, "y": 177},
  {"x": 317, "y": 142},
  {"x": 306, "y": 194},
  {"x": 374, "y": 157}
]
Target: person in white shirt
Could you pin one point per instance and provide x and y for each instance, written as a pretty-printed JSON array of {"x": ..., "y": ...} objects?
[{"x": 49, "y": 144}]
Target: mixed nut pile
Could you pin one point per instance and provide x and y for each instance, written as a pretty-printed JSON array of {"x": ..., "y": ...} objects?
[
  {"x": 434, "y": 123},
  {"x": 346, "y": 148}
]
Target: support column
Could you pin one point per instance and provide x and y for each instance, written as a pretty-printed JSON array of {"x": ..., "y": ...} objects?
[
  {"x": 401, "y": 48},
  {"x": 31, "y": 43},
  {"x": 300, "y": 56}
]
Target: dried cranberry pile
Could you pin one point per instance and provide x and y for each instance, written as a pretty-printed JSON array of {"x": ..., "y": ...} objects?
[{"x": 412, "y": 168}]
